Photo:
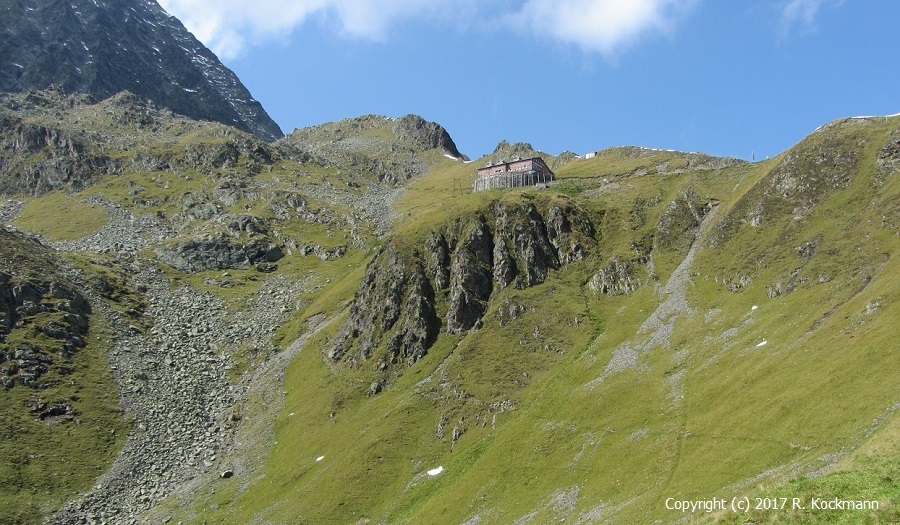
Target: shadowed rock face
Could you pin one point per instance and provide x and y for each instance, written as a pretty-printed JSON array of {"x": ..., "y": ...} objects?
[
  {"x": 44, "y": 146},
  {"x": 395, "y": 306},
  {"x": 470, "y": 278},
  {"x": 393, "y": 316},
  {"x": 104, "y": 47}
]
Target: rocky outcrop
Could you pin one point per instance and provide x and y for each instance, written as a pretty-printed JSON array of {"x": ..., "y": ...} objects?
[
  {"x": 207, "y": 156},
  {"x": 680, "y": 221},
  {"x": 43, "y": 319},
  {"x": 425, "y": 135},
  {"x": 50, "y": 141},
  {"x": 393, "y": 316},
  {"x": 810, "y": 171},
  {"x": 471, "y": 278},
  {"x": 51, "y": 413},
  {"x": 36, "y": 159},
  {"x": 821, "y": 164},
  {"x": 244, "y": 224},
  {"x": 219, "y": 252},
  {"x": 437, "y": 260},
  {"x": 567, "y": 230},
  {"x": 888, "y": 161},
  {"x": 504, "y": 151},
  {"x": 372, "y": 148},
  {"x": 521, "y": 230},
  {"x": 617, "y": 277},
  {"x": 288, "y": 205},
  {"x": 393, "y": 308}
]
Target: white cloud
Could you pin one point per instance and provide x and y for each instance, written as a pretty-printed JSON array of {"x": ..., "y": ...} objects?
[
  {"x": 802, "y": 14},
  {"x": 372, "y": 18},
  {"x": 601, "y": 25},
  {"x": 228, "y": 27}
]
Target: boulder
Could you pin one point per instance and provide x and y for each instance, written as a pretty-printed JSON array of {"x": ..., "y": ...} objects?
[{"x": 219, "y": 252}]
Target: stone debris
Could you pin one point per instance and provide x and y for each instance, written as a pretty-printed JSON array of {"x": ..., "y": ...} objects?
[{"x": 172, "y": 378}]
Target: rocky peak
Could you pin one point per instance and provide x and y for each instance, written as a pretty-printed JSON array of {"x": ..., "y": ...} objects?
[
  {"x": 425, "y": 135},
  {"x": 103, "y": 47},
  {"x": 506, "y": 151},
  {"x": 372, "y": 146}
]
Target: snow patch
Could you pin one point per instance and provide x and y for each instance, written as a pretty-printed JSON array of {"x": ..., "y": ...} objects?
[
  {"x": 864, "y": 117},
  {"x": 754, "y": 307},
  {"x": 435, "y": 471},
  {"x": 764, "y": 343},
  {"x": 320, "y": 458},
  {"x": 451, "y": 157}
]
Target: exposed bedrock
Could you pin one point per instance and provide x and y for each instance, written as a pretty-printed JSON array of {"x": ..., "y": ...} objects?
[{"x": 393, "y": 318}]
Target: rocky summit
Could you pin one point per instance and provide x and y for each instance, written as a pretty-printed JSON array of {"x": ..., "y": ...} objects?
[
  {"x": 201, "y": 322},
  {"x": 106, "y": 46}
]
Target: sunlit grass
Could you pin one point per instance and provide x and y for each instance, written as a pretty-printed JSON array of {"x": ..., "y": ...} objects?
[{"x": 59, "y": 216}]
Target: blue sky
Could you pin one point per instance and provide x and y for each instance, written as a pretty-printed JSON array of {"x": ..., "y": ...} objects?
[{"x": 739, "y": 78}]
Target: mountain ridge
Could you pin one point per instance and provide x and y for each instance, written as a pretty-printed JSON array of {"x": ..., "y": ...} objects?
[{"x": 104, "y": 47}]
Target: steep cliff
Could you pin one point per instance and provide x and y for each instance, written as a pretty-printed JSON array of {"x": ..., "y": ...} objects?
[{"x": 393, "y": 315}]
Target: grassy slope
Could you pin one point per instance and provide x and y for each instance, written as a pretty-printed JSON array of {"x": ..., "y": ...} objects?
[
  {"x": 712, "y": 414},
  {"x": 42, "y": 465},
  {"x": 56, "y": 217},
  {"x": 831, "y": 360}
]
